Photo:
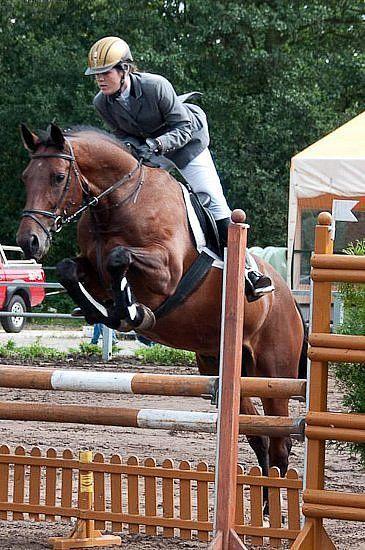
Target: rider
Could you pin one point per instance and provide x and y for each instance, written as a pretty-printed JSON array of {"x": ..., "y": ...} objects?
[{"x": 143, "y": 109}]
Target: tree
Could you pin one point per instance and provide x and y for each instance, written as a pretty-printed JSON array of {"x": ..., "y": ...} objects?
[{"x": 276, "y": 76}]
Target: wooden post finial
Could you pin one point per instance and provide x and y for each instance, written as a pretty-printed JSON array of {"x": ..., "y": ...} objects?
[
  {"x": 324, "y": 218},
  {"x": 238, "y": 216}
]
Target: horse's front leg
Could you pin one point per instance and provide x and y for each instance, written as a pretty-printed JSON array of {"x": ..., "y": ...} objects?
[
  {"x": 126, "y": 307},
  {"x": 70, "y": 273}
]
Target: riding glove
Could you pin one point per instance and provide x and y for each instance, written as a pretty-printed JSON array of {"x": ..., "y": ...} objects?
[
  {"x": 144, "y": 152},
  {"x": 151, "y": 147}
]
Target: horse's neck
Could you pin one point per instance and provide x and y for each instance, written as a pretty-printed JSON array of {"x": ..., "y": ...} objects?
[{"x": 103, "y": 163}]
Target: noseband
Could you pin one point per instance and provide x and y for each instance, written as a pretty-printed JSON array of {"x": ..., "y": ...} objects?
[{"x": 59, "y": 220}]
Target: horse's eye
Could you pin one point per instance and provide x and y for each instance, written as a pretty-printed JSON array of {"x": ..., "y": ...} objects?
[{"x": 58, "y": 178}]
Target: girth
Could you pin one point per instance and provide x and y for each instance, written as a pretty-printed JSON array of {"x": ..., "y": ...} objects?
[{"x": 190, "y": 281}]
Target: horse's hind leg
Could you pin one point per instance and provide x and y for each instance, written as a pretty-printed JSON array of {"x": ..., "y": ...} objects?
[
  {"x": 280, "y": 447},
  {"x": 259, "y": 444}
]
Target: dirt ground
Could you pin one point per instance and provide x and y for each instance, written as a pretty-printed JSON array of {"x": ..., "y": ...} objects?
[{"x": 343, "y": 472}]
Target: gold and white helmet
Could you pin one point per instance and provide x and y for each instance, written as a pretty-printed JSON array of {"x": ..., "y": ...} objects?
[{"x": 106, "y": 53}]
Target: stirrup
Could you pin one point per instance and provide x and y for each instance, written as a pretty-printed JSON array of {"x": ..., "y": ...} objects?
[
  {"x": 263, "y": 291},
  {"x": 252, "y": 292}
]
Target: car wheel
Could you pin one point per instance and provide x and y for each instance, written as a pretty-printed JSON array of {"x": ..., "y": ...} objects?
[{"x": 14, "y": 324}]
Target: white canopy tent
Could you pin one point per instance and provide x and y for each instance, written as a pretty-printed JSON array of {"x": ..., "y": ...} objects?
[{"x": 331, "y": 168}]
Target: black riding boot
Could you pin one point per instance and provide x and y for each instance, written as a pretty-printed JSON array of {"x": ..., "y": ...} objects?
[
  {"x": 260, "y": 284},
  {"x": 222, "y": 226},
  {"x": 257, "y": 284}
]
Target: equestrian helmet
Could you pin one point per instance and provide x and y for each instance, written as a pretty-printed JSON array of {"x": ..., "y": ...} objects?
[{"x": 106, "y": 53}]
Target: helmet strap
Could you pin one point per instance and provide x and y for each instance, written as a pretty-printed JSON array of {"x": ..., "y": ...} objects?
[{"x": 125, "y": 72}]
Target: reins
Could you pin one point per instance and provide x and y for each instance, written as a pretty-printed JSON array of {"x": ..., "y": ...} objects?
[{"x": 62, "y": 219}]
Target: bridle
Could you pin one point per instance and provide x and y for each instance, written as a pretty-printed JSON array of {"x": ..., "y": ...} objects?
[{"x": 61, "y": 219}]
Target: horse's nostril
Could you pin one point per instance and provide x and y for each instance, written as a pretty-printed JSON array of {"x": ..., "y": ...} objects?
[{"x": 34, "y": 243}]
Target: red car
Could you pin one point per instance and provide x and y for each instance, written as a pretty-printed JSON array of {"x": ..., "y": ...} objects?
[{"x": 15, "y": 297}]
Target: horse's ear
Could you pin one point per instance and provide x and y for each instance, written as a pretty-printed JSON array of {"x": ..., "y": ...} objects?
[
  {"x": 57, "y": 136},
  {"x": 30, "y": 140}
]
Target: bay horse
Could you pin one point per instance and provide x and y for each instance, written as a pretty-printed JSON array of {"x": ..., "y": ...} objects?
[{"x": 135, "y": 246}]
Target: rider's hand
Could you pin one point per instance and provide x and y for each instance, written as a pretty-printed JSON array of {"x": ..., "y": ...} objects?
[
  {"x": 155, "y": 145},
  {"x": 144, "y": 152}
]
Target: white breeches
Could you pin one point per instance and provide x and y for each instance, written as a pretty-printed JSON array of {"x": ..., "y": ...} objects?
[{"x": 202, "y": 176}]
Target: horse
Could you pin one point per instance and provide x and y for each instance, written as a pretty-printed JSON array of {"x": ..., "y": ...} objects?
[{"x": 135, "y": 247}]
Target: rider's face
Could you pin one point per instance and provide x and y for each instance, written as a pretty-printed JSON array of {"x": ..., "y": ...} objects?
[{"x": 109, "y": 82}]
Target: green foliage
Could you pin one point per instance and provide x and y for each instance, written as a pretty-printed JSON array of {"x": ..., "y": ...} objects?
[
  {"x": 162, "y": 355},
  {"x": 276, "y": 76},
  {"x": 352, "y": 375},
  {"x": 33, "y": 351},
  {"x": 86, "y": 349},
  {"x": 36, "y": 350}
]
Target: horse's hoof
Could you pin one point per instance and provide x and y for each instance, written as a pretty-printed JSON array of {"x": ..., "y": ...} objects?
[
  {"x": 124, "y": 327},
  {"x": 148, "y": 319}
]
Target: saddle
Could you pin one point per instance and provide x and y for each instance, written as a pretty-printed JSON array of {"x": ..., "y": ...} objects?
[{"x": 208, "y": 225}]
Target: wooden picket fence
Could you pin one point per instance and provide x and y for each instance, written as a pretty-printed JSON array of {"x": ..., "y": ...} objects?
[{"x": 141, "y": 497}]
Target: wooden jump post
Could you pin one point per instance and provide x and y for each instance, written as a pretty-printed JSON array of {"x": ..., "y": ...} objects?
[
  {"x": 225, "y": 536},
  {"x": 321, "y": 424}
]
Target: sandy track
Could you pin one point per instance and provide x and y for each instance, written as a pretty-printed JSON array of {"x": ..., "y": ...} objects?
[{"x": 343, "y": 472}]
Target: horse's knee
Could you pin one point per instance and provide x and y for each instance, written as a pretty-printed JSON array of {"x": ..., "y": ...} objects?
[
  {"x": 119, "y": 259},
  {"x": 279, "y": 452},
  {"x": 66, "y": 271}
]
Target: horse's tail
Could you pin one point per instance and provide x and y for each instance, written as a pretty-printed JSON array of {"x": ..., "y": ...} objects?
[{"x": 302, "y": 371}]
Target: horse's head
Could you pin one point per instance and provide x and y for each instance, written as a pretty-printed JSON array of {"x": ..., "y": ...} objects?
[{"x": 48, "y": 179}]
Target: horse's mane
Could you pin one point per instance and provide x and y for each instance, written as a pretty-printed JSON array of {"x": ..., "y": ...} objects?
[{"x": 78, "y": 130}]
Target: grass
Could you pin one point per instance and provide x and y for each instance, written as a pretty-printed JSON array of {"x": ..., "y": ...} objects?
[
  {"x": 162, "y": 355},
  {"x": 37, "y": 351},
  {"x": 158, "y": 355},
  {"x": 33, "y": 351},
  {"x": 88, "y": 350}
]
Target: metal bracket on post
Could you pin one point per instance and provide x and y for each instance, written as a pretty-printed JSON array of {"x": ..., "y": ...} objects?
[{"x": 107, "y": 343}]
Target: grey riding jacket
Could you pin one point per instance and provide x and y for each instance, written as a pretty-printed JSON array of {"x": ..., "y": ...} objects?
[{"x": 153, "y": 110}]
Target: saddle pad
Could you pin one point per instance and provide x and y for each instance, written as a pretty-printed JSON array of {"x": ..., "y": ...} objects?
[
  {"x": 199, "y": 236},
  {"x": 197, "y": 231}
]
